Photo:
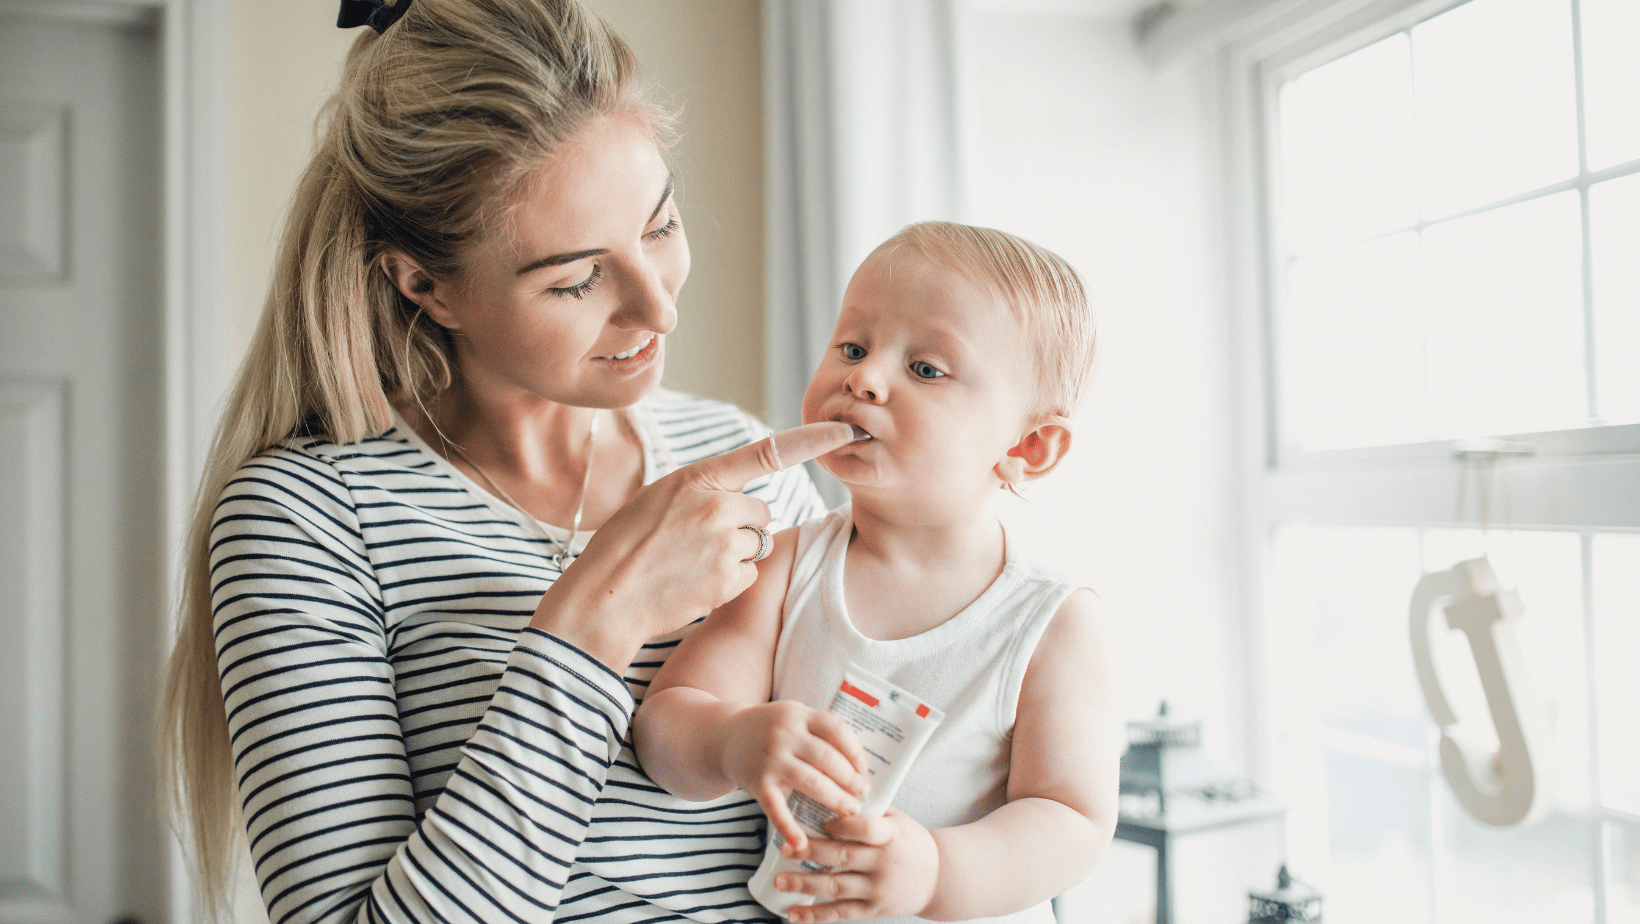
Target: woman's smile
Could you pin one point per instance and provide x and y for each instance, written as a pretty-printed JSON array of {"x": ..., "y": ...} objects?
[{"x": 642, "y": 354}]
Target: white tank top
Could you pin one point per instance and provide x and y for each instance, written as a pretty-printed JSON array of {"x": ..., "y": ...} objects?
[{"x": 971, "y": 666}]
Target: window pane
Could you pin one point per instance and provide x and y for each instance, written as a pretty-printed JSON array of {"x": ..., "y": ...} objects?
[
  {"x": 1344, "y": 591},
  {"x": 1347, "y": 148},
  {"x": 1505, "y": 313},
  {"x": 1380, "y": 849},
  {"x": 1520, "y": 875},
  {"x": 1622, "y": 874},
  {"x": 1329, "y": 584},
  {"x": 1496, "y": 106},
  {"x": 1617, "y": 680},
  {"x": 1614, "y": 232},
  {"x": 1352, "y": 346},
  {"x": 1546, "y": 569},
  {"x": 1611, "y": 72}
]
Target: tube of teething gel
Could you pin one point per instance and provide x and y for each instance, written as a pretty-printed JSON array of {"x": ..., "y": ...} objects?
[{"x": 892, "y": 726}]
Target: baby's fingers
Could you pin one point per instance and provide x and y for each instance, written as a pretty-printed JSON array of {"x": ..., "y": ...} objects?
[
  {"x": 841, "y": 896},
  {"x": 836, "y": 732},
  {"x": 855, "y": 831},
  {"x": 773, "y": 801}
]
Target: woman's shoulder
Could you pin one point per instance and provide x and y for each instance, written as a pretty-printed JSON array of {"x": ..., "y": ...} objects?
[
  {"x": 316, "y": 465},
  {"x": 695, "y": 428}
]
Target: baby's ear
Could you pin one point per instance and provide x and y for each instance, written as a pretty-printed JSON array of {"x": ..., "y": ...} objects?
[{"x": 1037, "y": 452}]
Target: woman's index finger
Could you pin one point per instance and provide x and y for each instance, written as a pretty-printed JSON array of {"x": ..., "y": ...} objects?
[{"x": 732, "y": 471}]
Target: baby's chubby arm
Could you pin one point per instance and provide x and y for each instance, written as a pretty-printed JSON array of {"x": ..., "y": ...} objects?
[
  {"x": 707, "y": 725},
  {"x": 1058, "y": 820}
]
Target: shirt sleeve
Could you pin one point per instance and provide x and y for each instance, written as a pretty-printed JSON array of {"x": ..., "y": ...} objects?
[{"x": 319, "y": 751}]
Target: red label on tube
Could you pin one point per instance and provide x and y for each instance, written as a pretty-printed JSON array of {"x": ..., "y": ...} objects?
[{"x": 859, "y": 694}]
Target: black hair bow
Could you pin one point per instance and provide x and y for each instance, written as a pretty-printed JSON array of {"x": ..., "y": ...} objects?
[{"x": 373, "y": 13}]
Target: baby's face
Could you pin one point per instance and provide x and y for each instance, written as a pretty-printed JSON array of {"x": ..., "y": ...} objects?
[{"x": 935, "y": 368}]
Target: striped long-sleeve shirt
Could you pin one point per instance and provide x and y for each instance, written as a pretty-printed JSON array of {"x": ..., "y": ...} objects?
[{"x": 407, "y": 749}]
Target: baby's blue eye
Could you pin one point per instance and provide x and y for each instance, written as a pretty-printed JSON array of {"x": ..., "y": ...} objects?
[
  {"x": 853, "y": 352},
  {"x": 924, "y": 370}
]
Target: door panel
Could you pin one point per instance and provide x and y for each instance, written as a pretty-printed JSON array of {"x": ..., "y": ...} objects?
[{"x": 81, "y": 564}]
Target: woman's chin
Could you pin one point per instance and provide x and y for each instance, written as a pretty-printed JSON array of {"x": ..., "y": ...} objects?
[{"x": 628, "y": 390}]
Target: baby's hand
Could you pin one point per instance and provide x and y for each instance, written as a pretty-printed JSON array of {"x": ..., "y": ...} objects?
[
  {"x": 776, "y": 747},
  {"x": 886, "y": 867}
]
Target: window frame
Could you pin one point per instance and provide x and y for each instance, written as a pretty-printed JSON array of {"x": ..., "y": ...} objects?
[{"x": 1583, "y": 479}]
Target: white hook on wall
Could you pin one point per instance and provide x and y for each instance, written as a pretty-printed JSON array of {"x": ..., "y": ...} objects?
[{"x": 1507, "y": 786}]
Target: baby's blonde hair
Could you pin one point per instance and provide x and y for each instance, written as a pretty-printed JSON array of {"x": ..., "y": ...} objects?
[
  {"x": 439, "y": 123},
  {"x": 1043, "y": 291}
]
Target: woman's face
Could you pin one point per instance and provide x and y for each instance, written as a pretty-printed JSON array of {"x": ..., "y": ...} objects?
[{"x": 571, "y": 299}]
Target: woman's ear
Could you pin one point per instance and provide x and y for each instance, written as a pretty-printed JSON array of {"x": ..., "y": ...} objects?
[
  {"x": 1037, "y": 452},
  {"x": 417, "y": 285}
]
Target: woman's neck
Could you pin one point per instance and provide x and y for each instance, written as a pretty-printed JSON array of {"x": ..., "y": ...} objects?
[{"x": 533, "y": 452}]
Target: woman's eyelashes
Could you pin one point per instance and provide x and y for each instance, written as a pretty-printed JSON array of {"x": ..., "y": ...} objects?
[
  {"x": 580, "y": 289},
  {"x": 664, "y": 230}
]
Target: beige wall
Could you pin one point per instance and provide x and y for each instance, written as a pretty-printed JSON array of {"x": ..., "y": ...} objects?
[{"x": 284, "y": 59}]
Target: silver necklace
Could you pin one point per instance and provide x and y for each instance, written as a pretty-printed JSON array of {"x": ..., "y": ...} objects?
[{"x": 565, "y": 556}]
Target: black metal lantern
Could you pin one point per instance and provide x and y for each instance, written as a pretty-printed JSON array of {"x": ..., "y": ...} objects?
[
  {"x": 1292, "y": 902},
  {"x": 1170, "y": 789}
]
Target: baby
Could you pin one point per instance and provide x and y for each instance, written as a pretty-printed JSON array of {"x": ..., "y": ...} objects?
[{"x": 959, "y": 357}]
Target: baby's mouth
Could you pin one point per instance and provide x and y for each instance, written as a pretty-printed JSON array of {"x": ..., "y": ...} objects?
[{"x": 860, "y": 433}]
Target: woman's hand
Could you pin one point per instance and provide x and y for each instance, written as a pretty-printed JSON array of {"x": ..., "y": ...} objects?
[
  {"x": 773, "y": 748},
  {"x": 675, "y": 551},
  {"x": 886, "y": 867}
]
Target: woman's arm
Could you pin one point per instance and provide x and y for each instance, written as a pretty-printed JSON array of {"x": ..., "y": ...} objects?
[
  {"x": 319, "y": 750},
  {"x": 1060, "y": 814}
]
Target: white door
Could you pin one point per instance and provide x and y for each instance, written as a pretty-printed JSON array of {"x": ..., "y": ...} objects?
[{"x": 82, "y": 564}]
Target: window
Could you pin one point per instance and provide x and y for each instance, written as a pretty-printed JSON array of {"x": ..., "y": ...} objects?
[
  {"x": 1448, "y": 200},
  {"x": 1439, "y": 222}
]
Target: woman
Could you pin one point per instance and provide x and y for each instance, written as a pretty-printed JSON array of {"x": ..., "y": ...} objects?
[{"x": 437, "y": 528}]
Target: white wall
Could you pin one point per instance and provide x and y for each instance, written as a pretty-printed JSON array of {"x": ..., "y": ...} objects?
[
  {"x": 708, "y": 55},
  {"x": 1072, "y": 141}
]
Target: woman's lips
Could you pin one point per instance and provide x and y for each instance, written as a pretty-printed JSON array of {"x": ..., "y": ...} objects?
[{"x": 634, "y": 357}]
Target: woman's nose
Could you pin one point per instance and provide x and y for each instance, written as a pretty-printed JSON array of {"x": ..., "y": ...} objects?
[{"x": 648, "y": 303}]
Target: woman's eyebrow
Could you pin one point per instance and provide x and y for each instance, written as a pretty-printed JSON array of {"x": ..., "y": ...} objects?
[
  {"x": 559, "y": 259},
  {"x": 665, "y": 195}
]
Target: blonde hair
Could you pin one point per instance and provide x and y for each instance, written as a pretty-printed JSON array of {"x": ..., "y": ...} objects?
[
  {"x": 438, "y": 124},
  {"x": 1043, "y": 292}
]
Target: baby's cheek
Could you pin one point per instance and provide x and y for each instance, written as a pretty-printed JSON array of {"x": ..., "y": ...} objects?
[{"x": 813, "y": 397}]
